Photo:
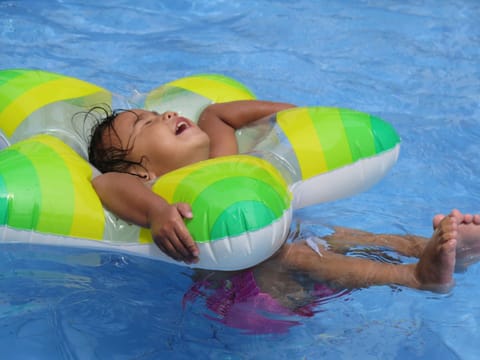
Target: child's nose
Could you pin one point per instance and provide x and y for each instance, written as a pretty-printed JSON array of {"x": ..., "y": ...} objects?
[{"x": 169, "y": 114}]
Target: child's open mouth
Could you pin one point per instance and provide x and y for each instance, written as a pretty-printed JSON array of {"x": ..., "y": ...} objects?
[{"x": 181, "y": 126}]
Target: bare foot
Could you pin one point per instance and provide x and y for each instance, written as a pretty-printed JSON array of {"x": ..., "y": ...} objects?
[
  {"x": 435, "y": 268},
  {"x": 468, "y": 238}
]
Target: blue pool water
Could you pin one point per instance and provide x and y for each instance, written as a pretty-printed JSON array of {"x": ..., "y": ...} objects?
[{"x": 415, "y": 64}]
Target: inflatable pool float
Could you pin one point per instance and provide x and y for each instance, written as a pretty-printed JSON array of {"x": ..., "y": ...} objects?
[{"x": 243, "y": 204}]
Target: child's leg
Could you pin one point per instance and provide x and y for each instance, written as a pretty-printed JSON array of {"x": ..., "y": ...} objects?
[
  {"x": 468, "y": 246},
  {"x": 344, "y": 238},
  {"x": 433, "y": 271},
  {"x": 344, "y": 271}
]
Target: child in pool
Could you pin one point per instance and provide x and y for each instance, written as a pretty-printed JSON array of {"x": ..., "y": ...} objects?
[{"x": 147, "y": 145}]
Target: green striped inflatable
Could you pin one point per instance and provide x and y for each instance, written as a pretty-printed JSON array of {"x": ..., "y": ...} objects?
[
  {"x": 36, "y": 102},
  {"x": 329, "y": 153},
  {"x": 45, "y": 187},
  {"x": 190, "y": 95},
  {"x": 242, "y": 204}
]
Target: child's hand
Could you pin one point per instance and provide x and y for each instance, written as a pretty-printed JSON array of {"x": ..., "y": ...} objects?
[{"x": 170, "y": 233}]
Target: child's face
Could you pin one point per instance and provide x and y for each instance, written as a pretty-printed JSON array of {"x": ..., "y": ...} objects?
[{"x": 161, "y": 142}]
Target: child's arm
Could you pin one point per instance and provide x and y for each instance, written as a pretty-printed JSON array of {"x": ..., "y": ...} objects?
[
  {"x": 130, "y": 199},
  {"x": 221, "y": 120}
]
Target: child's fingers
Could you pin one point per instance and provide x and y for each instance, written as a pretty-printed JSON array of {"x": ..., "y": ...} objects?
[
  {"x": 179, "y": 245},
  {"x": 187, "y": 243},
  {"x": 167, "y": 250},
  {"x": 183, "y": 234},
  {"x": 173, "y": 237},
  {"x": 185, "y": 210},
  {"x": 174, "y": 248}
]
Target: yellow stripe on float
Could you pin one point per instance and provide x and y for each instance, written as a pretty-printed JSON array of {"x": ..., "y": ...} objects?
[
  {"x": 167, "y": 188},
  {"x": 145, "y": 236},
  {"x": 88, "y": 216},
  {"x": 44, "y": 94},
  {"x": 302, "y": 135},
  {"x": 211, "y": 89}
]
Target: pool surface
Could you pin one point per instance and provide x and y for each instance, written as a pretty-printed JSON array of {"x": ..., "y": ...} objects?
[{"x": 415, "y": 64}]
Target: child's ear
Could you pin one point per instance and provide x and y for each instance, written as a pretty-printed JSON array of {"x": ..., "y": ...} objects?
[{"x": 142, "y": 173}]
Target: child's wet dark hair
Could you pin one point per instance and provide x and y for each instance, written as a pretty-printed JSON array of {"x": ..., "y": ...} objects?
[{"x": 105, "y": 155}]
